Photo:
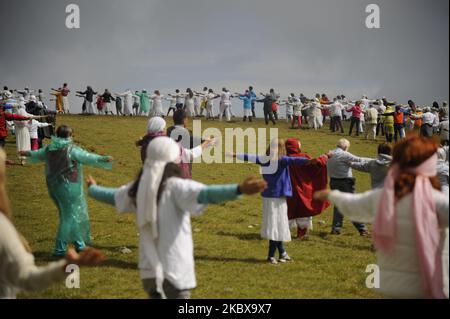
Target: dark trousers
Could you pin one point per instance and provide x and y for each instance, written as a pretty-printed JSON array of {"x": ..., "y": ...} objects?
[
  {"x": 273, "y": 246},
  {"x": 269, "y": 116},
  {"x": 2, "y": 142},
  {"x": 345, "y": 185},
  {"x": 354, "y": 121},
  {"x": 253, "y": 109},
  {"x": 171, "y": 109},
  {"x": 400, "y": 130},
  {"x": 305, "y": 117},
  {"x": 380, "y": 128},
  {"x": 426, "y": 130},
  {"x": 336, "y": 124}
]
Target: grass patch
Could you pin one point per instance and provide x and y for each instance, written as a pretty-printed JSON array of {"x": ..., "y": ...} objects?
[{"x": 230, "y": 256}]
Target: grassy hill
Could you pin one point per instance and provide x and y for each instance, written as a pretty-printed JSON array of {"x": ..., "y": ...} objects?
[{"x": 230, "y": 255}]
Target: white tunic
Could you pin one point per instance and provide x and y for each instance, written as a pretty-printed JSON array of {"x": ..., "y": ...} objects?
[
  {"x": 23, "y": 142},
  {"x": 225, "y": 98},
  {"x": 157, "y": 105},
  {"x": 33, "y": 128},
  {"x": 172, "y": 253},
  {"x": 399, "y": 273},
  {"x": 17, "y": 269}
]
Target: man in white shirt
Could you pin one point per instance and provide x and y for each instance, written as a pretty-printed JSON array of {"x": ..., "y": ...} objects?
[
  {"x": 225, "y": 104},
  {"x": 336, "y": 109},
  {"x": 428, "y": 119}
]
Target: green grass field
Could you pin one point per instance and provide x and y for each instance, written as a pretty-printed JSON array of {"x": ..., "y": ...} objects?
[{"x": 229, "y": 252}]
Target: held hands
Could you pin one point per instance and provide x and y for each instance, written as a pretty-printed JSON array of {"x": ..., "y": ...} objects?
[
  {"x": 252, "y": 185},
  {"x": 88, "y": 257},
  {"x": 230, "y": 154},
  {"x": 90, "y": 181},
  {"x": 321, "y": 195},
  {"x": 209, "y": 142}
]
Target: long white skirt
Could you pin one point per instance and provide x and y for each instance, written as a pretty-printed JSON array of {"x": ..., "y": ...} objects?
[
  {"x": 23, "y": 142},
  {"x": 190, "y": 110},
  {"x": 66, "y": 106},
  {"x": 275, "y": 220}
]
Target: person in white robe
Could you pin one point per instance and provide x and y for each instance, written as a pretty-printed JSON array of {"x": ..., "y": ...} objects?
[
  {"x": 156, "y": 108},
  {"x": 23, "y": 142},
  {"x": 225, "y": 104},
  {"x": 127, "y": 101},
  {"x": 163, "y": 203}
]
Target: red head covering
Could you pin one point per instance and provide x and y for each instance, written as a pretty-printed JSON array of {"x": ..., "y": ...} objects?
[{"x": 305, "y": 181}]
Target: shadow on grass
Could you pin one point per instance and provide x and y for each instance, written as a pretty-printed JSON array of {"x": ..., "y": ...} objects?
[
  {"x": 44, "y": 256},
  {"x": 241, "y": 236},
  {"x": 114, "y": 249},
  {"x": 117, "y": 263},
  {"x": 333, "y": 240},
  {"x": 232, "y": 259}
]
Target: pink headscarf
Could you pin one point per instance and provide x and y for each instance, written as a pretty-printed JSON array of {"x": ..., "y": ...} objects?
[{"x": 426, "y": 224}]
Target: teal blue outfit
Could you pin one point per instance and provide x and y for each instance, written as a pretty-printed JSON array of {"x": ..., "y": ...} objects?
[
  {"x": 213, "y": 194},
  {"x": 64, "y": 176},
  {"x": 144, "y": 100}
]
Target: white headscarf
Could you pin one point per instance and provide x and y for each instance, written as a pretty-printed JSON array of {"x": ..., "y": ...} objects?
[
  {"x": 156, "y": 124},
  {"x": 160, "y": 151},
  {"x": 33, "y": 98}
]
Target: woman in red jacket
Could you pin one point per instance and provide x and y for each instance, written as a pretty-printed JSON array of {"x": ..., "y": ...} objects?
[{"x": 305, "y": 181}]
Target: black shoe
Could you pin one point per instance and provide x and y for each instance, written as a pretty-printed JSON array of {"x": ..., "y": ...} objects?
[
  {"x": 364, "y": 233},
  {"x": 335, "y": 232}
]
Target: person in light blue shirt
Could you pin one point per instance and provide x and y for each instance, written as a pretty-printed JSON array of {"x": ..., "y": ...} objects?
[{"x": 248, "y": 100}]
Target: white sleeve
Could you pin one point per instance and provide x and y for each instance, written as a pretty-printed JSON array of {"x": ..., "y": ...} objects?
[
  {"x": 441, "y": 202},
  {"x": 17, "y": 265},
  {"x": 43, "y": 124},
  {"x": 124, "y": 204},
  {"x": 185, "y": 194},
  {"x": 356, "y": 207},
  {"x": 189, "y": 155}
]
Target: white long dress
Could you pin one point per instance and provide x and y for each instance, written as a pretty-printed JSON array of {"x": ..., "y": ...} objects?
[
  {"x": 23, "y": 142},
  {"x": 189, "y": 104},
  {"x": 171, "y": 255},
  {"x": 157, "y": 109},
  {"x": 127, "y": 101}
]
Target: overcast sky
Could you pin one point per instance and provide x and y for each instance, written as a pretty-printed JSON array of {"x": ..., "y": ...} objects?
[{"x": 296, "y": 46}]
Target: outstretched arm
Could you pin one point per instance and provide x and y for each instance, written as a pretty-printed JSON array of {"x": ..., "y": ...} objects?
[
  {"x": 34, "y": 156},
  {"x": 356, "y": 207},
  {"x": 91, "y": 159}
]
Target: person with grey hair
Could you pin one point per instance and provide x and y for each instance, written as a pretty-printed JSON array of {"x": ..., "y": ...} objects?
[
  {"x": 428, "y": 119},
  {"x": 341, "y": 178}
]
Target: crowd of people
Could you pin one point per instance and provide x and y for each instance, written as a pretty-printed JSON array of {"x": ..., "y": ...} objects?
[{"x": 408, "y": 203}]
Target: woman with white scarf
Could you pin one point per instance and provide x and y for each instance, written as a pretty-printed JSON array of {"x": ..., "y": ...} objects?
[
  {"x": 23, "y": 141},
  {"x": 163, "y": 203}
]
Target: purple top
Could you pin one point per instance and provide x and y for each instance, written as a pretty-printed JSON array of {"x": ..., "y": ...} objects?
[{"x": 278, "y": 182}]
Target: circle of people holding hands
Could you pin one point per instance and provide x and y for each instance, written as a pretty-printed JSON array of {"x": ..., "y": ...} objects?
[{"x": 407, "y": 205}]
